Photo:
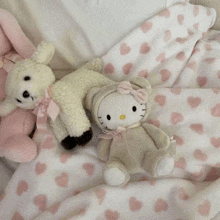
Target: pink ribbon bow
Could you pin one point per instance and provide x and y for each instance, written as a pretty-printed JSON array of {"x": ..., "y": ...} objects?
[
  {"x": 112, "y": 134},
  {"x": 7, "y": 61},
  {"x": 125, "y": 88},
  {"x": 44, "y": 108}
]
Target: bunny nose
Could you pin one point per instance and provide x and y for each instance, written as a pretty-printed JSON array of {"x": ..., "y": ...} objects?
[
  {"x": 122, "y": 117},
  {"x": 26, "y": 94}
]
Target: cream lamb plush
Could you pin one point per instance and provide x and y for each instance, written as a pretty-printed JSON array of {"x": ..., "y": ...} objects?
[
  {"x": 128, "y": 143},
  {"x": 28, "y": 80}
]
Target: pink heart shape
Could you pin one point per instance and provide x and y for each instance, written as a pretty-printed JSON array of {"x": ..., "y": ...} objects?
[
  {"x": 195, "y": 10},
  {"x": 176, "y": 91},
  {"x": 215, "y": 111},
  {"x": 64, "y": 157},
  {"x": 176, "y": 118},
  {"x": 181, "y": 56},
  {"x": 198, "y": 128},
  {"x": 167, "y": 35},
  {"x": 109, "y": 68},
  {"x": 22, "y": 187},
  {"x": 208, "y": 47},
  {"x": 181, "y": 163},
  {"x": 160, "y": 99},
  {"x": 194, "y": 101},
  {"x": 199, "y": 155},
  {"x": 17, "y": 216},
  {"x": 62, "y": 180},
  {"x": 40, "y": 168},
  {"x": 89, "y": 168},
  {"x": 192, "y": 65},
  {"x": 165, "y": 13},
  {"x": 215, "y": 142},
  {"x": 179, "y": 140},
  {"x": 134, "y": 204},
  {"x": 143, "y": 73},
  {"x": 181, "y": 40},
  {"x": 180, "y": 19},
  {"x": 210, "y": 60},
  {"x": 100, "y": 194},
  {"x": 145, "y": 48},
  {"x": 165, "y": 75},
  {"x": 146, "y": 26},
  {"x": 111, "y": 215},
  {"x": 183, "y": 195},
  {"x": 41, "y": 202},
  {"x": 127, "y": 68},
  {"x": 201, "y": 81},
  {"x": 160, "y": 205},
  {"x": 204, "y": 208},
  {"x": 124, "y": 49},
  {"x": 161, "y": 57},
  {"x": 53, "y": 209}
]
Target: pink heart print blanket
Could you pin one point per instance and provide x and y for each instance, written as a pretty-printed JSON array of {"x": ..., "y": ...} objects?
[{"x": 179, "y": 55}]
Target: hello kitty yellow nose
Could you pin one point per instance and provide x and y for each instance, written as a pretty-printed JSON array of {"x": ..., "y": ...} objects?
[{"x": 122, "y": 117}]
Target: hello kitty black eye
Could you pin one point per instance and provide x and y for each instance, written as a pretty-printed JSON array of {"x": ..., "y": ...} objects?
[
  {"x": 109, "y": 117},
  {"x": 134, "y": 108},
  {"x": 27, "y": 78}
]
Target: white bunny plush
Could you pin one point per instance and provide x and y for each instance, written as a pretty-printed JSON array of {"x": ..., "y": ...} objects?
[
  {"x": 128, "y": 144},
  {"x": 30, "y": 78}
]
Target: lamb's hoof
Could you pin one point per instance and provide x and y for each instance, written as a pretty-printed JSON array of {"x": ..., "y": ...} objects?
[
  {"x": 69, "y": 143},
  {"x": 85, "y": 138}
]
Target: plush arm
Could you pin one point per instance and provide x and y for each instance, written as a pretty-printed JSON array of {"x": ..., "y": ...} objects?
[
  {"x": 160, "y": 138},
  {"x": 6, "y": 107},
  {"x": 103, "y": 149}
]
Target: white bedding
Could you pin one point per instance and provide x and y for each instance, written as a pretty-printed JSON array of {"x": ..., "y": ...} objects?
[
  {"x": 58, "y": 185},
  {"x": 80, "y": 30}
]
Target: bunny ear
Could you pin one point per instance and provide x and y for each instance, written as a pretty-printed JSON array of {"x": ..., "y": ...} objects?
[
  {"x": 44, "y": 53},
  {"x": 6, "y": 107}
]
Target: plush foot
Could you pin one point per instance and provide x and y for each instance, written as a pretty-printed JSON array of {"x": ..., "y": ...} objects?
[
  {"x": 70, "y": 142},
  {"x": 19, "y": 148},
  {"x": 165, "y": 166},
  {"x": 115, "y": 177}
]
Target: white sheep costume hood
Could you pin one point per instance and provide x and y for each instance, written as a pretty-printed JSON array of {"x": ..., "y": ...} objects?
[{"x": 97, "y": 94}]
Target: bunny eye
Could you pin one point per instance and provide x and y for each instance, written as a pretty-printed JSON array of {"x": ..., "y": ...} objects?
[
  {"x": 134, "y": 108},
  {"x": 108, "y": 117},
  {"x": 27, "y": 78}
]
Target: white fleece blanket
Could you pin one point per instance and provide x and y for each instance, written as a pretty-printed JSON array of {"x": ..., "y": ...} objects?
[{"x": 171, "y": 50}]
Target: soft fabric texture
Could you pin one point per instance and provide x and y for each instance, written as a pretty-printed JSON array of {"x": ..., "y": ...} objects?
[
  {"x": 136, "y": 145},
  {"x": 16, "y": 127},
  {"x": 60, "y": 184},
  {"x": 212, "y": 4},
  {"x": 85, "y": 29}
]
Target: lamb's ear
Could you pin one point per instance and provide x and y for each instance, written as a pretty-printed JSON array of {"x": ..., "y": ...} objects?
[
  {"x": 44, "y": 53},
  {"x": 90, "y": 96},
  {"x": 141, "y": 82},
  {"x": 6, "y": 107}
]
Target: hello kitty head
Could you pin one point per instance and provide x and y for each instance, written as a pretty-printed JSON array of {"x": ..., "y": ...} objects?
[{"x": 121, "y": 104}]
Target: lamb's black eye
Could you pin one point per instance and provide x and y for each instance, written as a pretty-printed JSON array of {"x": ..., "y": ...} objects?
[
  {"x": 27, "y": 78},
  {"x": 134, "y": 108},
  {"x": 109, "y": 117}
]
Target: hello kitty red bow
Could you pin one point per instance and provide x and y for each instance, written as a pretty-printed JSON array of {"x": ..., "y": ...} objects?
[
  {"x": 125, "y": 88},
  {"x": 46, "y": 107}
]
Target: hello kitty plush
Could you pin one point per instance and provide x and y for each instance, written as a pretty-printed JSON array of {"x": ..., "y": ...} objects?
[{"x": 128, "y": 144}]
